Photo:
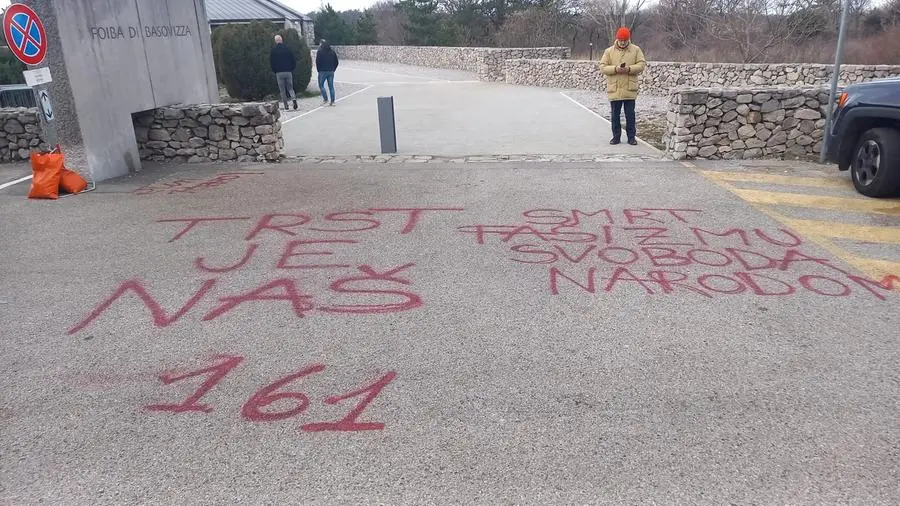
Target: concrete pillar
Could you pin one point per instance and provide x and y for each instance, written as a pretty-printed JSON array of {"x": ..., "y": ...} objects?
[{"x": 111, "y": 58}]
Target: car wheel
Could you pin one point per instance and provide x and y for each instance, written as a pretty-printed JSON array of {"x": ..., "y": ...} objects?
[{"x": 875, "y": 166}]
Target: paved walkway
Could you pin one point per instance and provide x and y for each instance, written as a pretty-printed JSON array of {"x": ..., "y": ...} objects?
[{"x": 448, "y": 113}]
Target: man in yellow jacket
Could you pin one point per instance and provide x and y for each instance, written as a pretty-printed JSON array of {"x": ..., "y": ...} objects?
[{"x": 621, "y": 63}]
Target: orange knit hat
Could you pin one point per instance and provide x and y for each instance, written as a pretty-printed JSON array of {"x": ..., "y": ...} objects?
[{"x": 623, "y": 34}]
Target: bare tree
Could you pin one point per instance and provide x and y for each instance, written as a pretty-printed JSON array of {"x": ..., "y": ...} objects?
[
  {"x": 753, "y": 27},
  {"x": 609, "y": 15},
  {"x": 389, "y": 23}
]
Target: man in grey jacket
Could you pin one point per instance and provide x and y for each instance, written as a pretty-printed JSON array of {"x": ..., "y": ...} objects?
[{"x": 283, "y": 63}]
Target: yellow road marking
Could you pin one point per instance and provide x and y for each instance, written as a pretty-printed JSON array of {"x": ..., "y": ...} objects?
[
  {"x": 864, "y": 205},
  {"x": 874, "y": 268},
  {"x": 745, "y": 177},
  {"x": 837, "y": 230}
]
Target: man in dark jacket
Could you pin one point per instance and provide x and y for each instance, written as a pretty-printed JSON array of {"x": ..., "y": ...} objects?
[
  {"x": 326, "y": 64},
  {"x": 283, "y": 64}
]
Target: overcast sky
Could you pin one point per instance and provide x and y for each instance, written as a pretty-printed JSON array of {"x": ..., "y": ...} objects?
[
  {"x": 304, "y": 6},
  {"x": 307, "y": 6}
]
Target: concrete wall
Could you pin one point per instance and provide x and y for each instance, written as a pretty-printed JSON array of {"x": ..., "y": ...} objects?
[
  {"x": 488, "y": 63},
  {"x": 746, "y": 123},
  {"x": 111, "y": 58},
  {"x": 661, "y": 77}
]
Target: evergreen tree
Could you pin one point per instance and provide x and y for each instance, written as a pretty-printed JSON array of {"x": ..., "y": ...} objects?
[
  {"x": 330, "y": 26},
  {"x": 366, "y": 33},
  {"x": 426, "y": 26}
]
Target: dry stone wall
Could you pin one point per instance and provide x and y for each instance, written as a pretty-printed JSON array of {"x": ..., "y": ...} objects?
[
  {"x": 488, "y": 63},
  {"x": 662, "y": 77},
  {"x": 201, "y": 133},
  {"x": 734, "y": 123},
  {"x": 20, "y": 133}
]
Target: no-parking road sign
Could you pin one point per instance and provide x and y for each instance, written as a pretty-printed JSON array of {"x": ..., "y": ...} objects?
[{"x": 25, "y": 34}]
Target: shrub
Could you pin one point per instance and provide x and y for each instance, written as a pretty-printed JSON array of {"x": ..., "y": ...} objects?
[
  {"x": 10, "y": 68},
  {"x": 241, "y": 54}
]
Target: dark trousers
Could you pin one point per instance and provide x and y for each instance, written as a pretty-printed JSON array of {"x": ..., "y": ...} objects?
[{"x": 630, "y": 128}]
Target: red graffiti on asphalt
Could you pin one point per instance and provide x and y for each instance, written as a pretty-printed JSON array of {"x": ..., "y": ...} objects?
[
  {"x": 308, "y": 272},
  {"x": 289, "y": 402},
  {"x": 191, "y": 185},
  {"x": 660, "y": 251}
]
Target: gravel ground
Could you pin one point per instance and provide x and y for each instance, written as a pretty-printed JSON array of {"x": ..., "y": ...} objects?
[{"x": 650, "y": 111}]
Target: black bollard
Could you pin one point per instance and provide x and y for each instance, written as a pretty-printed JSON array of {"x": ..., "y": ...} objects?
[{"x": 386, "y": 127}]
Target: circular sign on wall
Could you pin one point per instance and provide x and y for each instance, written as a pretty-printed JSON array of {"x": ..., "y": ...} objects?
[{"x": 25, "y": 34}]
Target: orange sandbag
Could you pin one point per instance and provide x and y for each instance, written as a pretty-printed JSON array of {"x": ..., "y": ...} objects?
[
  {"x": 72, "y": 181},
  {"x": 47, "y": 169}
]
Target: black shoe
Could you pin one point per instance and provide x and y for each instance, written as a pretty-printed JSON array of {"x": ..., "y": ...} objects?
[
  {"x": 633, "y": 142},
  {"x": 295, "y": 105},
  {"x": 614, "y": 141}
]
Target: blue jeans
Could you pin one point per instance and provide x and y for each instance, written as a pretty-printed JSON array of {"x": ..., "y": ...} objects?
[
  {"x": 329, "y": 76},
  {"x": 616, "y": 120}
]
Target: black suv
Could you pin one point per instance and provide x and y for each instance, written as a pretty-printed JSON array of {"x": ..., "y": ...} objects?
[{"x": 864, "y": 136}]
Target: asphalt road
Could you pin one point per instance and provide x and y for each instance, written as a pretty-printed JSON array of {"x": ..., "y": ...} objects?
[
  {"x": 448, "y": 113},
  {"x": 542, "y": 333}
]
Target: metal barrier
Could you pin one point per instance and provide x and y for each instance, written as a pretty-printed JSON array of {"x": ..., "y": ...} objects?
[{"x": 17, "y": 95}]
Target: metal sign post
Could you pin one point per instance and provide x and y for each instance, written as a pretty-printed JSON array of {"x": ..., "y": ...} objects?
[
  {"x": 27, "y": 40},
  {"x": 834, "y": 80}
]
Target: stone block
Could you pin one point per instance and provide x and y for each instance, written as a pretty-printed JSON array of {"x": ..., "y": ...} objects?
[
  {"x": 807, "y": 114},
  {"x": 776, "y": 139},
  {"x": 169, "y": 152},
  {"x": 743, "y": 110},
  {"x": 182, "y": 135},
  {"x": 752, "y": 153},
  {"x": 807, "y": 126},
  {"x": 746, "y": 131},
  {"x": 248, "y": 131},
  {"x": 233, "y": 133},
  {"x": 201, "y": 132},
  {"x": 775, "y": 116},
  {"x": 770, "y": 106},
  {"x": 227, "y": 154},
  {"x": 755, "y": 143},
  {"x": 159, "y": 134},
  {"x": 805, "y": 140},
  {"x": 252, "y": 110},
  {"x": 707, "y": 151},
  {"x": 265, "y": 129},
  {"x": 196, "y": 142},
  {"x": 744, "y": 98},
  {"x": 240, "y": 121},
  {"x": 793, "y": 103},
  {"x": 170, "y": 113},
  {"x": 754, "y": 117},
  {"x": 763, "y": 133},
  {"x": 694, "y": 97},
  {"x": 216, "y": 133}
]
